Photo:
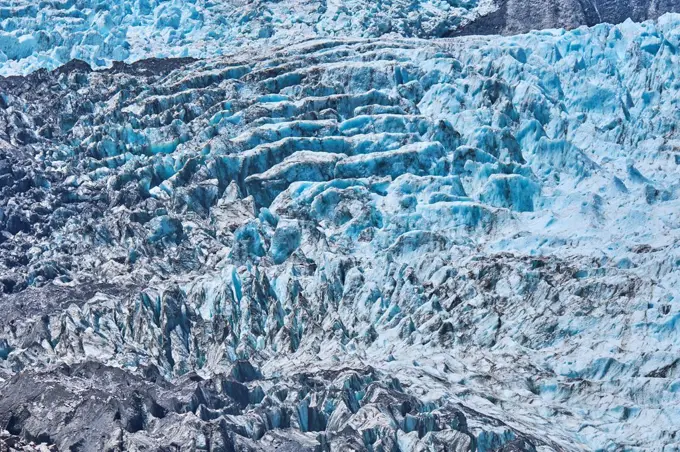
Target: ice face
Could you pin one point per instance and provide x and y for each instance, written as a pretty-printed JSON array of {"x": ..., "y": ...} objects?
[{"x": 383, "y": 244}]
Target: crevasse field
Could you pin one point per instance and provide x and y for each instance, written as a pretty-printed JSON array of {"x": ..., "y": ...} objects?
[
  {"x": 47, "y": 34},
  {"x": 325, "y": 227}
]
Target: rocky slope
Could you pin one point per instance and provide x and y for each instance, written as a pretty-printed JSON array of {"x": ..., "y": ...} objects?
[
  {"x": 347, "y": 244},
  {"x": 521, "y": 16}
]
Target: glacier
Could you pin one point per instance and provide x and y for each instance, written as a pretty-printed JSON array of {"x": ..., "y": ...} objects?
[
  {"x": 49, "y": 33},
  {"x": 377, "y": 242}
]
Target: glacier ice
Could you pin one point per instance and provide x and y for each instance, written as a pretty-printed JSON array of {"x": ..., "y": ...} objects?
[
  {"x": 47, "y": 34},
  {"x": 341, "y": 244}
]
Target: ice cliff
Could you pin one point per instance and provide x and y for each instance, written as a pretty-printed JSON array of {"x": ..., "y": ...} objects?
[{"x": 368, "y": 244}]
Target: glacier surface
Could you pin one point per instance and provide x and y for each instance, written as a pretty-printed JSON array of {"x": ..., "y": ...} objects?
[
  {"x": 383, "y": 244},
  {"x": 49, "y": 33}
]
